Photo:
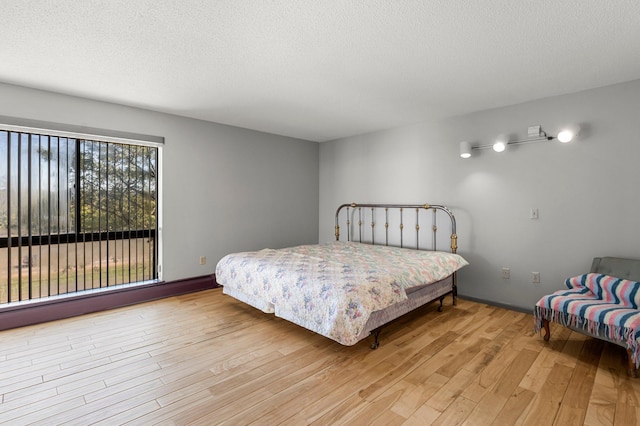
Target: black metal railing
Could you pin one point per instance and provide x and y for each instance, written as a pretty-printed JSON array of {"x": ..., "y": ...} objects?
[{"x": 75, "y": 215}]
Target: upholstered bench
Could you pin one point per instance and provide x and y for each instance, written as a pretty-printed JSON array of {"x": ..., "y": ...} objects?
[{"x": 603, "y": 304}]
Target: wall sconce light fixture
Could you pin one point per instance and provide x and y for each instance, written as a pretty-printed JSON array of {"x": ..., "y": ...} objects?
[
  {"x": 534, "y": 133},
  {"x": 565, "y": 136},
  {"x": 465, "y": 149},
  {"x": 501, "y": 143}
]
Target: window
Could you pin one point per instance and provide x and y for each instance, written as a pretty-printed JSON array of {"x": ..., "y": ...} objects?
[{"x": 75, "y": 214}]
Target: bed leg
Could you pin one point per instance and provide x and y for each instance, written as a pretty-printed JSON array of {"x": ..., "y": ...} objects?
[
  {"x": 441, "y": 300},
  {"x": 376, "y": 336},
  {"x": 547, "y": 332},
  {"x": 454, "y": 295},
  {"x": 631, "y": 367}
]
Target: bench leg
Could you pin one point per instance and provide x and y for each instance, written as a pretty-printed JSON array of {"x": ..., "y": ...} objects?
[
  {"x": 631, "y": 367},
  {"x": 547, "y": 332}
]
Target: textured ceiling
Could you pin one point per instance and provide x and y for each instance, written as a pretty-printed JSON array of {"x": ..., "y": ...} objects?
[{"x": 318, "y": 70}]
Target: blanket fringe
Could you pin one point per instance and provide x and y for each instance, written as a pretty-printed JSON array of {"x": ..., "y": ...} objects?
[{"x": 625, "y": 336}]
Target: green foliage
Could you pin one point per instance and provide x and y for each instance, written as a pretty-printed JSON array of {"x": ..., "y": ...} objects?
[
  {"x": 76, "y": 185},
  {"x": 117, "y": 187}
]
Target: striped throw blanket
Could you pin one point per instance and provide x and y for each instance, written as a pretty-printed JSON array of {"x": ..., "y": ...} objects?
[{"x": 602, "y": 305}]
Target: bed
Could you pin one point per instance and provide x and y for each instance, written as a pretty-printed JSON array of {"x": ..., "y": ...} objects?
[{"x": 348, "y": 289}]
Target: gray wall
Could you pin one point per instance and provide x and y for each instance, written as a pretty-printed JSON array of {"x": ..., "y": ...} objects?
[
  {"x": 586, "y": 191},
  {"x": 228, "y": 189},
  {"x": 225, "y": 188}
]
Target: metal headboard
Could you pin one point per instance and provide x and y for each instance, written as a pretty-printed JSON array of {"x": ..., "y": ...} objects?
[{"x": 356, "y": 209}]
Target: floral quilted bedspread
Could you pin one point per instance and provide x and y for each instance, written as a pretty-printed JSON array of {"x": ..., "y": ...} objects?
[{"x": 333, "y": 288}]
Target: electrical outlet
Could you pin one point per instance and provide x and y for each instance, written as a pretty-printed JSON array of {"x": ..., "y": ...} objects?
[
  {"x": 535, "y": 277},
  {"x": 506, "y": 273},
  {"x": 203, "y": 260}
]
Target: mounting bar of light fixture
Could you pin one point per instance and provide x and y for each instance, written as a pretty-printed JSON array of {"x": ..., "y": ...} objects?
[
  {"x": 536, "y": 134},
  {"x": 518, "y": 142}
]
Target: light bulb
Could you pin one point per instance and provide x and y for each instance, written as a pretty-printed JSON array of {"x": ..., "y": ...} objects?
[
  {"x": 501, "y": 143},
  {"x": 499, "y": 146},
  {"x": 565, "y": 136}
]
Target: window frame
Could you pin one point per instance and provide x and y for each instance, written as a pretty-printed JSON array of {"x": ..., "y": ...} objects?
[{"x": 83, "y": 133}]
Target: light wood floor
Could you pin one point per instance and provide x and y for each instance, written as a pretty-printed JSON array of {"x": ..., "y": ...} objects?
[{"x": 205, "y": 358}]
